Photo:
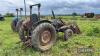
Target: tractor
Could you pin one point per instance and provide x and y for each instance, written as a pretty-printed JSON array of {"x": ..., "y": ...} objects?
[
  {"x": 37, "y": 33},
  {"x": 68, "y": 28},
  {"x": 42, "y": 34},
  {"x": 2, "y": 18},
  {"x": 15, "y": 21}
]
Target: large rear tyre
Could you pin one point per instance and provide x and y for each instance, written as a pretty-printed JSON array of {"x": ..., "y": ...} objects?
[
  {"x": 19, "y": 25},
  {"x": 43, "y": 36},
  {"x": 13, "y": 26}
]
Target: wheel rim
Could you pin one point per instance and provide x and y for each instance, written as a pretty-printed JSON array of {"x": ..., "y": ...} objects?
[
  {"x": 45, "y": 37},
  {"x": 69, "y": 33}
]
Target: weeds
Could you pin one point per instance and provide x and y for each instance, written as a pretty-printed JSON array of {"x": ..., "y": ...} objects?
[{"x": 8, "y": 40}]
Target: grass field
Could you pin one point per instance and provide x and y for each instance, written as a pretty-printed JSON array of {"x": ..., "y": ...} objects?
[{"x": 90, "y": 38}]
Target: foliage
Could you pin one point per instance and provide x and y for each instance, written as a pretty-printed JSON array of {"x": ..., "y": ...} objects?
[
  {"x": 9, "y": 15},
  {"x": 74, "y": 14},
  {"x": 90, "y": 37}
]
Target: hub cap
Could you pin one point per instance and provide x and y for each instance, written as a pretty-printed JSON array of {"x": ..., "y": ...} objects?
[
  {"x": 45, "y": 37},
  {"x": 69, "y": 33}
]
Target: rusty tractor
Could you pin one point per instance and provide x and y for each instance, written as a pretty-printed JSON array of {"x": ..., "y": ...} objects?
[
  {"x": 68, "y": 28},
  {"x": 41, "y": 34},
  {"x": 15, "y": 21},
  {"x": 37, "y": 33}
]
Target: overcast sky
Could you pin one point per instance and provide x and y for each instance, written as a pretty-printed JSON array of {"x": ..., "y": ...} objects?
[{"x": 59, "y": 6}]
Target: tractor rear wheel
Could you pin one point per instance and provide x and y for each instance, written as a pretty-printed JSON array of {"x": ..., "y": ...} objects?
[
  {"x": 13, "y": 26},
  {"x": 44, "y": 36},
  {"x": 67, "y": 34},
  {"x": 19, "y": 25}
]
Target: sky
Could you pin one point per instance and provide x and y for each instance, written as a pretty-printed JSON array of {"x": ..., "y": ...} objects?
[{"x": 59, "y": 6}]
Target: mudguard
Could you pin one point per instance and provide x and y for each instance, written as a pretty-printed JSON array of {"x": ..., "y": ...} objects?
[{"x": 42, "y": 21}]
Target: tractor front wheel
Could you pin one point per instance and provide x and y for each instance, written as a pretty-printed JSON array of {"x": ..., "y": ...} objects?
[{"x": 67, "y": 34}]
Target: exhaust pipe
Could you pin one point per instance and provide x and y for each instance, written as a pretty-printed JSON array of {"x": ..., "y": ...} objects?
[
  {"x": 21, "y": 9},
  {"x": 53, "y": 14},
  {"x": 17, "y": 13}
]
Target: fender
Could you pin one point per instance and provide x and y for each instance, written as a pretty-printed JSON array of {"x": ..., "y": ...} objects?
[{"x": 42, "y": 21}]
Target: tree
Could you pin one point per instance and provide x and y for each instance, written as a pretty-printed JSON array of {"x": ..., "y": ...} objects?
[
  {"x": 9, "y": 15},
  {"x": 74, "y": 14}
]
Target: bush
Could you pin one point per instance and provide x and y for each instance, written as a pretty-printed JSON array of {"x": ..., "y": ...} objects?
[{"x": 9, "y": 15}]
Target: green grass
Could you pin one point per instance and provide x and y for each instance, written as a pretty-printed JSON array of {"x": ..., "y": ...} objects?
[{"x": 90, "y": 37}]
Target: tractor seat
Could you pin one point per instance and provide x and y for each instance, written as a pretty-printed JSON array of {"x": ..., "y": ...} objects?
[{"x": 34, "y": 17}]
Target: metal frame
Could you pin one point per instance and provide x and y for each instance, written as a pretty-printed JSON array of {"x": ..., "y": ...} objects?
[{"x": 38, "y": 5}]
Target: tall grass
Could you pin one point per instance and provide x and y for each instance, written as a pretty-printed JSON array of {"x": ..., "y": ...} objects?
[{"x": 90, "y": 37}]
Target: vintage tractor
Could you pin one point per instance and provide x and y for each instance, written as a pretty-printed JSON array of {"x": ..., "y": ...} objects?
[
  {"x": 19, "y": 23},
  {"x": 15, "y": 21},
  {"x": 41, "y": 34},
  {"x": 37, "y": 33},
  {"x": 68, "y": 28}
]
